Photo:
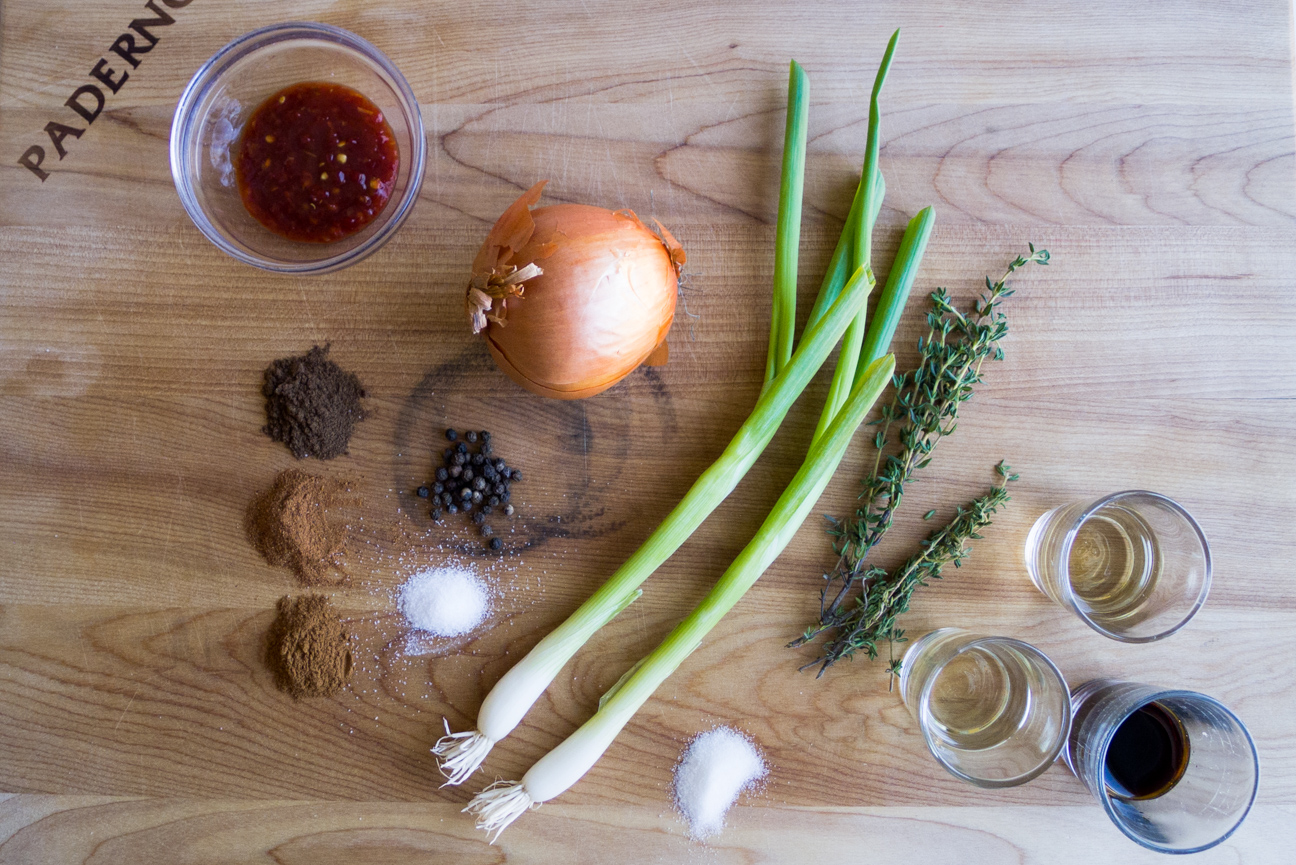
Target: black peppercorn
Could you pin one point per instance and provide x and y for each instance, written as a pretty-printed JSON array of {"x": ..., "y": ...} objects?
[
  {"x": 468, "y": 474},
  {"x": 460, "y": 459},
  {"x": 493, "y": 501},
  {"x": 487, "y": 508},
  {"x": 447, "y": 453},
  {"x": 461, "y": 448},
  {"x": 479, "y": 518},
  {"x": 451, "y": 435},
  {"x": 423, "y": 492},
  {"x": 508, "y": 510},
  {"x": 487, "y": 531},
  {"x": 478, "y": 459},
  {"x": 465, "y": 493},
  {"x": 507, "y": 497},
  {"x": 515, "y": 475},
  {"x": 479, "y": 484},
  {"x": 442, "y": 474},
  {"x": 446, "y": 499},
  {"x": 485, "y": 435},
  {"x": 436, "y": 515},
  {"x": 487, "y": 448},
  {"x": 477, "y": 497},
  {"x": 452, "y": 508},
  {"x": 454, "y": 471},
  {"x": 489, "y": 473},
  {"x": 471, "y": 435},
  {"x": 438, "y": 488},
  {"x": 496, "y": 544},
  {"x": 466, "y": 506},
  {"x": 500, "y": 465},
  {"x": 499, "y": 489}
]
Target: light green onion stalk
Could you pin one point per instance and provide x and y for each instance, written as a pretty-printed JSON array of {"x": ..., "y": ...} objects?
[
  {"x": 787, "y": 244},
  {"x": 862, "y": 250},
  {"x": 895, "y": 293},
  {"x": 503, "y": 802},
  {"x": 839, "y": 266},
  {"x": 460, "y": 754}
]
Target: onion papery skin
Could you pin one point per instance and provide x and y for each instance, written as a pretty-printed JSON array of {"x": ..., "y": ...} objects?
[{"x": 604, "y": 303}]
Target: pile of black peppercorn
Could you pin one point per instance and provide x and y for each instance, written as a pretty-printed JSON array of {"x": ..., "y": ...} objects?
[{"x": 470, "y": 483}]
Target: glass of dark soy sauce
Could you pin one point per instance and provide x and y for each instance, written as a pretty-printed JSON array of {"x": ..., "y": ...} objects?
[{"x": 1175, "y": 770}]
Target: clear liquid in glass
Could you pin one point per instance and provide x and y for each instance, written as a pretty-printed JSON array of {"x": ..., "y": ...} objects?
[
  {"x": 978, "y": 701},
  {"x": 1114, "y": 565}
]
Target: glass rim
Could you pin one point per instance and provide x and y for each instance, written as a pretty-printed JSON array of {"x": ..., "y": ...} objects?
[
  {"x": 1017, "y": 780},
  {"x": 182, "y": 131},
  {"x": 1165, "y": 694},
  {"x": 1069, "y": 596}
]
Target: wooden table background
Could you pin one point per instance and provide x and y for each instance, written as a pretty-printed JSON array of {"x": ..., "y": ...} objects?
[{"x": 1149, "y": 146}]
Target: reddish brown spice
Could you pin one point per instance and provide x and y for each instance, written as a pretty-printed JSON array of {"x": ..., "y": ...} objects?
[
  {"x": 317, "y": 162},
  {"x": 290, "y": 526}
]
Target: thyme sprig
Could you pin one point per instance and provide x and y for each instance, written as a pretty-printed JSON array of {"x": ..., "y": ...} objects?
[
  {"x": 873, "y": 616},
  {"x": 925, "y": 408}
]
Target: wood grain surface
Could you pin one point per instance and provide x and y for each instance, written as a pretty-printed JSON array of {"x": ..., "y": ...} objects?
[{"x": 1148, "y": 146}]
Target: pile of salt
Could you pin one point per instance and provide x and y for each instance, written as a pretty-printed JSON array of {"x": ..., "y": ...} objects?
[
  {"x": 715, "y": 768},
  {"x": 444, "y": 601}
]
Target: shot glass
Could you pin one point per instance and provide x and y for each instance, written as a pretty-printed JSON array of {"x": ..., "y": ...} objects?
[
  {"x": 1134, "y": 566},
  {"x": 994, "y": 711},
  {"x": 1176, "y": 771}
]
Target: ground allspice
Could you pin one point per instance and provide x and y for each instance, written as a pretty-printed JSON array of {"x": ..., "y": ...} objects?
[
  {"x": 290, "y": 526},
  {"x": 307, "y": 647},
  {"x": 312, "y": 404}
]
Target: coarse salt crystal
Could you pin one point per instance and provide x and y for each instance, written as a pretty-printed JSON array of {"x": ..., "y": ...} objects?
[
  {"x": 716, "y": 767},
  {"x": 446, "y": 602}
]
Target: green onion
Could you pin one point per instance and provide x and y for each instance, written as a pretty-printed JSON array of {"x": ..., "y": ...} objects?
[
  {"x": 504, "y": 707},
  {"x": 787, "y": 243},
  {"x": 900, "y": 280},
  {"x": 872, "y": 192},
  {"x": 862, "y": 250},
  {"x": 503, "y": 802},
  {"x": 839, "y": 266}
]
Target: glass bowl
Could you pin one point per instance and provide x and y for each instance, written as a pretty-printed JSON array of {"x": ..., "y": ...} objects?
[{"x": 228, "y": 88}]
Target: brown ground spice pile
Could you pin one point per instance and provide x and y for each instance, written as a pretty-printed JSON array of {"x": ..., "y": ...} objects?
[
  {"x": 289, "y": 525},
  {"x": 307, "y": 647},
  {"x": 312, "y": 404}
]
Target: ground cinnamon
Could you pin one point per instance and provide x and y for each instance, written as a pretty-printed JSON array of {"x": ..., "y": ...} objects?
[
  {"x": 290, "y": 526},
  {"x": 307, "y": 647}
]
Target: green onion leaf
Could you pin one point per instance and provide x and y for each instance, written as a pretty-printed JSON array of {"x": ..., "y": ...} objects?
[{"x": 788, "y": 234}]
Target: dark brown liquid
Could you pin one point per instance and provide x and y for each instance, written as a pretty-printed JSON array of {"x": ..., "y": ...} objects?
[{"x": 1147, "y": 755}]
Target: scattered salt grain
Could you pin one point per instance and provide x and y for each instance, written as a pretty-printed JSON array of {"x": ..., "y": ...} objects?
[
  {"x": 715, "y": 768},
  {"x": 444, "y": 601}
]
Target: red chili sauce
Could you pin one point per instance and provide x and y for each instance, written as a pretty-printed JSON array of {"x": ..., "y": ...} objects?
[{"x": 317, "y": 162}]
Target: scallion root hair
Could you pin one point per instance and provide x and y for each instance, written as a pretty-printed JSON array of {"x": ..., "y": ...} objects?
[
  {"x": 499, "y": 805},
  {"x": 460, "y": 754}
]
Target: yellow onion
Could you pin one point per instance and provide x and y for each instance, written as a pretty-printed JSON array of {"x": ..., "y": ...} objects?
[{"x": 572, "y": 298}]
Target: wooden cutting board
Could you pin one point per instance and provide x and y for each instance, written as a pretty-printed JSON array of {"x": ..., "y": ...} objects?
[{"x": 1148, "y": 146}]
